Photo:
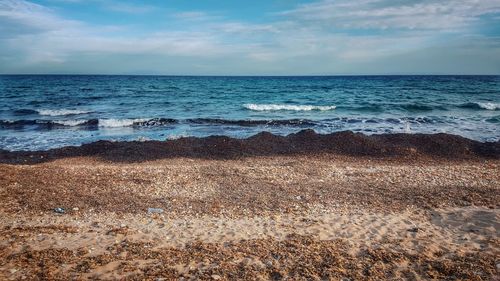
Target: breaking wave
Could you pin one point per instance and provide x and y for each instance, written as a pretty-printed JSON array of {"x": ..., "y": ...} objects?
[
  {"x": 61, "y": 112},
  {"x": 482, "y": 105},
  {"x": 46, "y": 124},
  {"x": 117, "y": 123},
  {"x": 106, "y": 123},
  {"x": 275, "y": 107},
  {"x": 289, "y": 122}
]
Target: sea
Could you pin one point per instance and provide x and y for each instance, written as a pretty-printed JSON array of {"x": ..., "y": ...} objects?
[{"x": 40, "y": 112}]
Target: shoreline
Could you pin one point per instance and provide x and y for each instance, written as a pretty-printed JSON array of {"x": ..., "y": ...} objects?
[{"x": 305, "y": 142}]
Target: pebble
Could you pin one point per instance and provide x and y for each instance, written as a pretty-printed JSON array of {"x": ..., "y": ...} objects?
[
  {"x": 59, "y": 210},
  {"x": 155, "y": 210},
  {"x": 414, "y": 229}
]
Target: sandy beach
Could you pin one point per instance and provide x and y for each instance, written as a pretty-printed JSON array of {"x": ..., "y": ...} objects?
[{"x": 386, "y": 211}]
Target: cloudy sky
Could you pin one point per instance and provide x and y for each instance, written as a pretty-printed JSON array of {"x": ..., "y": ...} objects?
[{"x": 260, "y": 37}]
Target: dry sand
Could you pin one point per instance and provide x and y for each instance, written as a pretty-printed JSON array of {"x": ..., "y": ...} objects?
[{"x": 309, "y": 217}]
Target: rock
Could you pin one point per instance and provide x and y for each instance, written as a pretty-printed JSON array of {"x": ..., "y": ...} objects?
[
  {"x": 414, "y": 229},
  {"x": 216, "y": 277},
  {"x": 155, "y": 210},
  {"x": 60, "y": 210},
  {"x": 76, "y": 209}
]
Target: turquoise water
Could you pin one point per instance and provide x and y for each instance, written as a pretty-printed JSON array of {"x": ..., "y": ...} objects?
[{"x": 42, "y": 112}]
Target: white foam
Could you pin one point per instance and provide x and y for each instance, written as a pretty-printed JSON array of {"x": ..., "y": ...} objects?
[
  {"x": 407, "y": 128},
  {"x": 270, "y": 107},
  {"x": 61, "y": 112},
  {"x": 115, "y": 123},
  {"x": 489, "y": 105},
  {"x": 70, "y": 122}
]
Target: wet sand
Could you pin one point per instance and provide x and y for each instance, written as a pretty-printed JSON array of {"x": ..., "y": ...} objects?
[{"x": 325, "y": 215}]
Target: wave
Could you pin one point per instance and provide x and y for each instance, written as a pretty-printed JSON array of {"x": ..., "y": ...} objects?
[
  {"x": 93, "y": 124},
  {"x": 25, "y": 111},
  {"x": 109, "y": 123},
  {"x": 275, "y": 107},
  {"x": 61, "y": 112},
  {"x": 365, "y": 108},
  {"x": 116, "y": 123},
  {"x": 412, "y": 107},
  {"x": 16, "y": 123},
  {"x": 421, "y": 107},
  {"x": 481, "y": 105},
  {"x": 154, "y": 122},
  {"x": 495, "y": 119},
  {"x": 288, "y": 122},
  {"x": 46, "y": 124},
  {"x": 75, "y": 123}
]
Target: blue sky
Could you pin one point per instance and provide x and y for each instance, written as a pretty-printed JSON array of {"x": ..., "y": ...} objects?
[{"x": 227, "y": 37}]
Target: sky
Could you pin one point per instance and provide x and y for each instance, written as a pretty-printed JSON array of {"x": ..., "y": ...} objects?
[{"x": 259, "y": 37}]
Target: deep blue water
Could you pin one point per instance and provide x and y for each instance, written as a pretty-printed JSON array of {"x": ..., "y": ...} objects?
[{"x": 42, "y": 112}]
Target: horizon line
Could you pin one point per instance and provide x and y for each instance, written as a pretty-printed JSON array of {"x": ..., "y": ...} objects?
[{"x": 237, "y": 75}]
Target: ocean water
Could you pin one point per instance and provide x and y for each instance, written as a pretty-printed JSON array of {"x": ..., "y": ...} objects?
[{"x": 43, "y": 112}]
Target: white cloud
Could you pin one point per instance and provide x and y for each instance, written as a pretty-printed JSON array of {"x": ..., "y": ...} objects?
[
  {"x": 244, "y": 28},
  {"x": 313, "y": 38},
  {"x": 386, "y": 14},
  {"x": 50, "y": 38},
  {"x": 128, "y": 8},
  {"x": 195, "y": 16},
  {"x": 31, "y": 17}
]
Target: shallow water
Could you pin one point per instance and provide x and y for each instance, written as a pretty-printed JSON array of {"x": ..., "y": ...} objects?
[{"x": 42, "y": 112}]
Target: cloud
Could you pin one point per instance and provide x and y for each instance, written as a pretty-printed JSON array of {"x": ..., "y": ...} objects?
[
  {"x": 114, "y": 5},
  {"x": 47, "y": 37},
  {"x": 389, "y": 14},
  {"x": 128, "y": 8},
  {"x": 195, "y": 16},
  {"x": 29, "y": 17},
  {"x": 244, "y": 28},
  {"x": 317, "y": 38}
]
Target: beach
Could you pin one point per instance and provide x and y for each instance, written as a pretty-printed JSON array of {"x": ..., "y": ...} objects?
[
  {"x": 301, "y": 207},
  {"x": 250, "y": 140}
]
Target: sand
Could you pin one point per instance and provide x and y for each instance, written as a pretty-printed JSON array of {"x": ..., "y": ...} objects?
[
  {"x": 342, "y": 206},
  {"x": 302, "y": 217}
]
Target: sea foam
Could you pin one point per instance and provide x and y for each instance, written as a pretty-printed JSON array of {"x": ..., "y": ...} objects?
[
  {"x": 116, "y": 123},
  {"x": 61, "y": 112},
  {"x": 481, "y": 105},
  {"x": 274, "y": 107},
  {"x": 71, "y": 123},
  {"x": 489, "y": 105}
]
